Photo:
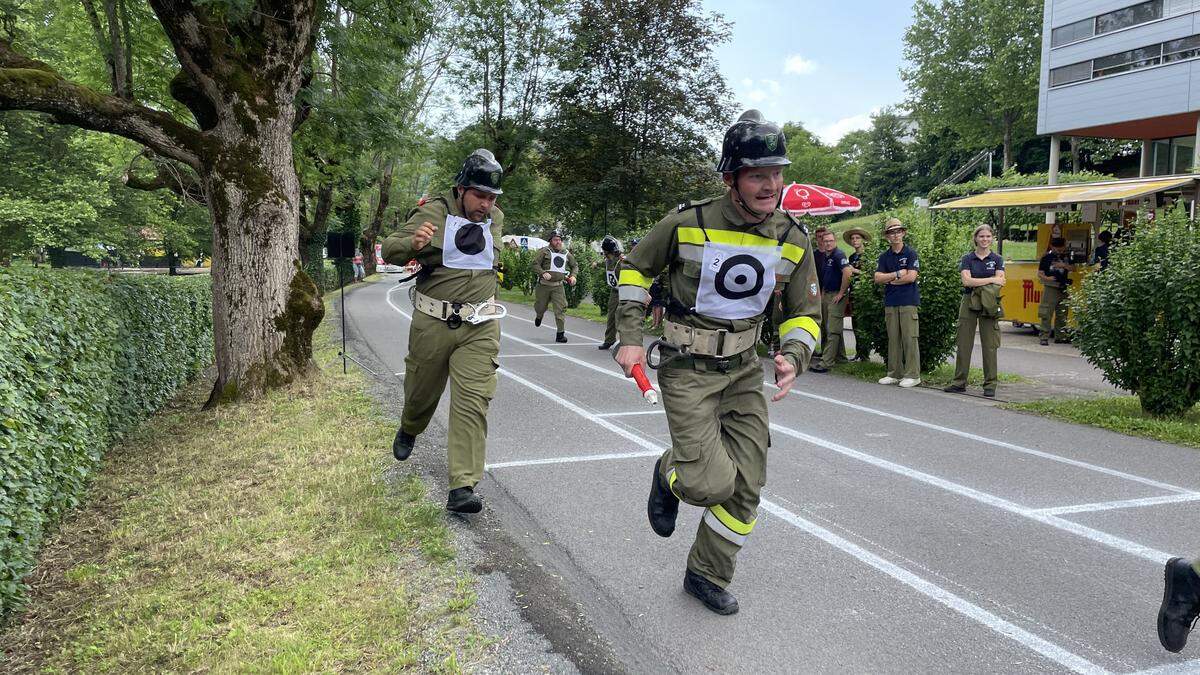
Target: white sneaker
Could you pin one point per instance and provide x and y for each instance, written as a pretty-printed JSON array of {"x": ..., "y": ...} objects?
[
  {"x": 910, "y": 382},
  {"x": 888, "y": 380}
]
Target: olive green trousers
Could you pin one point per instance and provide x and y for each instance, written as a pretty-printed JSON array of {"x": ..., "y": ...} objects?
[
  {"x": 989, "y": 339},
  {"x": 556, "y": 298},
  {"x": 467, "y": 357},
  {"x": 833, "y": 321},
  {"x": 903, "y": 330},
  {"x": 610, "y": 328},
  {"x": 718, "y": 456},
  {"x": 1053, "y": 306}
]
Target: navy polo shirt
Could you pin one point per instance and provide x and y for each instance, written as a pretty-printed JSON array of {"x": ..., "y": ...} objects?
[
  {"x": 981, "y": 268},
  {"x": 856, "y": 260},
  {"x": 829, "y": 270},
  {"x": 1100, "y": 256},
  {"x": 1061, "y": 276},
  {"x": 892, "y": 262}
]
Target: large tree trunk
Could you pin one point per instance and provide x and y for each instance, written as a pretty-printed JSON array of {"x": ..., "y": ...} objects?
[
  {"x": 264, "y": 307},
  {"x": 375, "y": 228}
]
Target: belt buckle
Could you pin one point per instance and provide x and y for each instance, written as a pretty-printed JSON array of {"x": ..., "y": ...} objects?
[
  {"x": 454, "y": 320},
  {"x": 720, "y": 349},
  {"x": 723, "y": 364}
]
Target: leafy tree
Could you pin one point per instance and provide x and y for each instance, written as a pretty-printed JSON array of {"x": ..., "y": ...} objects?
[
  {"x": 638, "y": 98},
  {"x": 974, "y": 69},
  {"x": 885, "y": 172},
  {"x": 817, "y": 163}
]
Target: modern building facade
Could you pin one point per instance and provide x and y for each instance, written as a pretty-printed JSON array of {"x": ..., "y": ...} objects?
[{"x": 1124, "y": 69}]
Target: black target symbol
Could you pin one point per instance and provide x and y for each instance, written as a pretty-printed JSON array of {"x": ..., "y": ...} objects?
[
  {"x": 469, "y": 239},
  {"x": 559, "y": 261},
  {"x": 740, "y": 277}
]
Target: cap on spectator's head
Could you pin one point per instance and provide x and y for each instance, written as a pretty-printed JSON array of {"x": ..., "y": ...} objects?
[
  {"x": 1105, "y": 236},
  {"x": 892, "y": 225}
]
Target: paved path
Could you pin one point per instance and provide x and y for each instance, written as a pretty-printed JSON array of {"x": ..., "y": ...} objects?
[{"x": 900, "y": 531}]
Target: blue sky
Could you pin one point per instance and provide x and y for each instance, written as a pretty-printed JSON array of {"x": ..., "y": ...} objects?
[{"x": 824, "y": 63}]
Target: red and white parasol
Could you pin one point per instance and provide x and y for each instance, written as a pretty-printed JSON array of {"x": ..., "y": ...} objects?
[{"x": 814, "y": 200}]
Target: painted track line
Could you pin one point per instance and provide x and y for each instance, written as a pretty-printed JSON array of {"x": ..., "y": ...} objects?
[
  {"x": 1121, "y": 504},
  {"x": 632, "y": 414},
  {"x": 1181, "y": 668},
  {"x": 974, "y": 612}
]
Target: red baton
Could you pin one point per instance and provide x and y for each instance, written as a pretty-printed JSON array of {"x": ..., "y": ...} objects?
[{"x": 643, "y": 383}]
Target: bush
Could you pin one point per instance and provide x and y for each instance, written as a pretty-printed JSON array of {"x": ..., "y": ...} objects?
[
  {"x": 939, "y": 249},
  {"x": 518, "y": 269},
  {"x": 85, "y": 357},
  {"x": 585, "y": 281},
  {"x": 1139, "y": 320},
  {"x": 600, "y": 287}
]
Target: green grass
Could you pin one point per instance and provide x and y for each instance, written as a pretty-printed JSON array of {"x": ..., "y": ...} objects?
[
  {"x": 940, "y": 377},
  {"x": 1020, "y": 250},
  {"x": 1122, "y": 414},
  {"x": 256, "y": 537},
  {"x": 585, "y": 310}
]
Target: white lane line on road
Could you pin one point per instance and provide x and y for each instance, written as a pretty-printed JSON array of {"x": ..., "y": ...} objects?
[
  {"x": 567, "y": 344},
  {"x": 523, "y": 356},
  {"x": 1181, "y": 668},
  {"x": 1121, "y": 504},
  {"x": 1124, "y": 545},
  {"x": 660, "y": 411},
  {"x": 991, "y": 441},
  {"x": 974, "y": 612},
  {"x": 568, "y": 332},
  {"x": 574, "y": 460},
  {"x": 917, "y": 583}
]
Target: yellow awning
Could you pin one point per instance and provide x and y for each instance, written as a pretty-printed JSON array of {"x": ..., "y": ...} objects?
[{"x": 1080, "y": 193}]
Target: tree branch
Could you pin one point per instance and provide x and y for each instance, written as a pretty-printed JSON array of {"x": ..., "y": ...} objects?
[
  {"x": 167, "y": 177},
  {"x": 26, "y": 84}
]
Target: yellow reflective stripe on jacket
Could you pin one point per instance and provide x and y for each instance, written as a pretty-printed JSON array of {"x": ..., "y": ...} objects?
[
  {"x": 793, "y": 253},
  {"x": 723, "y": 523},
  {"x": 671, "y": 478},
  {"x": 634, "y": 278},
  {"x": 804, "y": 323},
  {"x": 694, "y": 235}
]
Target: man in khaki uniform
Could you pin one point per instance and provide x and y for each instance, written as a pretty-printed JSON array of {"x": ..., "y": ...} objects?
[
  {"x": 553, "y": 265},
  {"x": 725, "y": 258},
  {"x": 456, "y": 238},
  {"x": 611, "y": 248}
]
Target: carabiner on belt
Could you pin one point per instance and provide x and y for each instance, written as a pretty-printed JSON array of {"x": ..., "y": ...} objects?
[{"x": 680, "y": 352}]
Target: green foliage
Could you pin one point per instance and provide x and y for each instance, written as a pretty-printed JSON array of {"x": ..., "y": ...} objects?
[
  {"x": 1139, "y": 320},
  {"x": 884, "y": 173},
  {"x": 816, "y": 163},
  {"x": 85, "y": 357},
  {"x": 599, "y": 282},
  {"x": 1122, "y": 414},
  {"x": 585, "y": 280},
  {"x": 1010, "y": 179},
  {"x": 518, "y": 269},
  {"x": 940, "y": 249}
]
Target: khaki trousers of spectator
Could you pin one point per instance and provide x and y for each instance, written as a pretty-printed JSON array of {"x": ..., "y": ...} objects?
[
  {"x": 467, "y": 357},
  {"x": 1053, "y": 306},
  {"x": 556, "y": 298},
  {"x": 903, "y": 329},
  {"x": 718, "y": 457},
  {"x": 989, "y": 339},
  {"x": 833, "y": 317}
]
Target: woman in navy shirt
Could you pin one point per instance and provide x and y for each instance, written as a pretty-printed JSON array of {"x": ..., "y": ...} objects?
[{"x": 982, "y": 278}]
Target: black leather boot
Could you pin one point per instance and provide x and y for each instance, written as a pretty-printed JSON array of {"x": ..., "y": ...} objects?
[
  {"x": 663, "y": 506},
  {"x": 1180, "y": 604},
  {"x": 604, "y": 345},
  {"x": 560, "y": 337},
  {"x": 464, "y": 500},
  {"x": 402, "y": 446},
  {"x": 537, "y": 321},
  {"x": 713, "y": 596}
]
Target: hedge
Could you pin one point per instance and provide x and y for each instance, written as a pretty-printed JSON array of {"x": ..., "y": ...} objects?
[{"x": 85, "y": 356}]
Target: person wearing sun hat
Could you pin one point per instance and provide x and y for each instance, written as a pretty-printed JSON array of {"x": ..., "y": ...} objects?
[
  {"x": 897, "y": 271},
  {"x": 857, "y": 238}
]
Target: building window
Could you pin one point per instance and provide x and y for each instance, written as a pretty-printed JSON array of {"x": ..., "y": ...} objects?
[
  {"x": 1178, "y": 50},
  {"x": 1072, "y": 32},
  {"x": 1130, "y": 16},
  {"x": 1173, "y": 155},
  {"x": 1125, "y": 61},
  {"x": 1077, "y": 72}
]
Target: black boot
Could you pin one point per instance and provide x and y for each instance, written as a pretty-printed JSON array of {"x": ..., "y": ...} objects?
[
  {"x": 560, "y": 337},
  {"x": 537, "y": 321},
  {"x": 663, "y": 506},
  {"x": 604, "y": 345},
  {"x": 713, "y": 596},
  {"x": 1180, "y": 604},
  {"x": 402, "y": 446},
  {"x": 464, "y": 500}
]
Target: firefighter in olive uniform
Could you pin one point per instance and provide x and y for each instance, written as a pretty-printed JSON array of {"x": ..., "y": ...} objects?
[
  {"x": 611, "y": 248},
  {"x": 453, "y": 334},
  {"x": 726, "y": 257},
  {"x": 552, "y": 266}
]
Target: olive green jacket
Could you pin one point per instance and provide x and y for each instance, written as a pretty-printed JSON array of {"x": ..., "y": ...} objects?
[
  {"x": 676, "y": 243},
  {"x": 443, "y": 283},
  {"x": 541, "y": 264}
]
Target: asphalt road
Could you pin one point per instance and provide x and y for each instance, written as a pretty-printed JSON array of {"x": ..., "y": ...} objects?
[{"x": 900, "y": 531}]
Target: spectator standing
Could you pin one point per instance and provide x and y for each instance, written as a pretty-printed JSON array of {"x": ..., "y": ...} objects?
[
  {"x": 1100, "y": 255},
  {"x": 982, "y": 274},
  {"x": 857, "y": 238},
  {"x": 360, "y": 272},
  {"x": 833, "y": 274},
  {"x": 1054, "y": 272},
  {"x": 897, "y": 271}
]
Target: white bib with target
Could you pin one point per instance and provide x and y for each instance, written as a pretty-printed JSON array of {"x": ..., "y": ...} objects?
[
  {"x": 467, "y": 245},
  {"x": 736, "y": 281},
  {"x": 610, "y": 276},
  {"x": 558, "y": 262}
]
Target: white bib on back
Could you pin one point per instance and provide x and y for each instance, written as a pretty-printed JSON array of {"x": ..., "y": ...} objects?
[
  {"x": 736, "y": 281},
  {"x": 610, "y": 276},
  {"x": 467, "y": 245},
  {"x": 558, "y": 262}
]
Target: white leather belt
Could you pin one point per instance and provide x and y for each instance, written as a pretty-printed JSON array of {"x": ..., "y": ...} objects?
[
  {"x": 454, "y": 313},
  {"x": 702, "y": 342}
]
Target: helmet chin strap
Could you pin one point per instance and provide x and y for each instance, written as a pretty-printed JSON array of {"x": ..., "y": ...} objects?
[{"x": 741, "y": 201}]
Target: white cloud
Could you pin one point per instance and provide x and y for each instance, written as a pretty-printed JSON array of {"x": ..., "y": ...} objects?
[
  {"x": 773, "y": 87},
  {"x": 832, "y": 133},
  {"x": 756, "y": 96},
  {"x": 798, "y": 65},
  {"x": 758, "y": 91}
]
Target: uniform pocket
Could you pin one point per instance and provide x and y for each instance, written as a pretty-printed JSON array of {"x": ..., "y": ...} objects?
[
  {"x": 690, "y": 268},
  {"x": 916, "y": 324}
]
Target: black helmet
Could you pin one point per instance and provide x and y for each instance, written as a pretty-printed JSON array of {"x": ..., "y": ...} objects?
[
  {"x": 482, "y": 172},
  {"x": 633, "y": 242},
  {"x": 610, "y": 244},
  {"x": 751, "y": 142}
]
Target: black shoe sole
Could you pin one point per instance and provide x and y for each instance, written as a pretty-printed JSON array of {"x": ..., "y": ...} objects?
[
  {"x": 954, "y": 390},
  {"x": 469, "y": 507},
  {"x": 723, "y": 611},
  {"x": 400, "y": 452},
  {"x": 650, "y": 501},
  {"x": 1162, "y": 609}
]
